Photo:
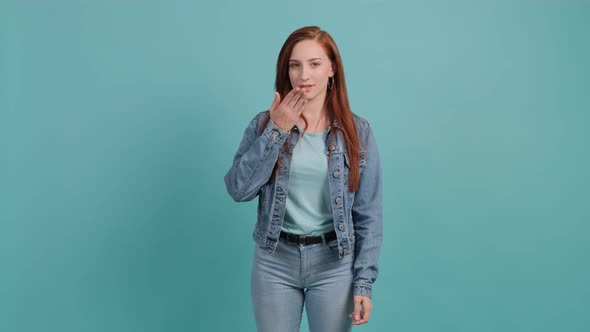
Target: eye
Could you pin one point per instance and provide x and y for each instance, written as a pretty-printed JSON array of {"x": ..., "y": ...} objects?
[
  {"x": 315, "y": 64},
  {"x": 293, "y": 65}
]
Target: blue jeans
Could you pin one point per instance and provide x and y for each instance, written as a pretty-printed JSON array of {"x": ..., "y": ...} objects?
[{"x": 292, "y": 275}]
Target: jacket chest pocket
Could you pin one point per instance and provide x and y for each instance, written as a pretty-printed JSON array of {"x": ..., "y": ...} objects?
[{"x": 362, "y": 160}]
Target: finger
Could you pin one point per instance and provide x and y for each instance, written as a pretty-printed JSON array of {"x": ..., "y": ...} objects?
[
  {"x": 296, "y": 97},
  {"x": 299, "y": 106},
  {"x": 275, "y": 101},
  {"x": 356, "y": 313},
  {"x": 366, "y": 313},
  {"x": 359, "y": 322},
  {"x": 364, "y": 318},
  {"x": 290, "y": 95}
]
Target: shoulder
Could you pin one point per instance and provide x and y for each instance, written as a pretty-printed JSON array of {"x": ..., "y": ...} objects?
[
  {"x": 258, "y": 120},
  {"x": 362, "y": 125},
  {"x": 261, "y": 116}
]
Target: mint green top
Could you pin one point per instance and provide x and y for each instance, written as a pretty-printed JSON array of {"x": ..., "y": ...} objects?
[{"x": 308, "y": 210}]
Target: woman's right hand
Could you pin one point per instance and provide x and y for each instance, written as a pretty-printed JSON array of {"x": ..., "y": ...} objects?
[{"x": 286, "y": 114}]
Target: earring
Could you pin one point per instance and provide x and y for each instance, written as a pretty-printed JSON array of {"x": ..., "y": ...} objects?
[{"x": 330, "y": 82}]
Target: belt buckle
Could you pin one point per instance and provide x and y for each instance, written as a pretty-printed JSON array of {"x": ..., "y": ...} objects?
[{"x": 301, "y": 240}]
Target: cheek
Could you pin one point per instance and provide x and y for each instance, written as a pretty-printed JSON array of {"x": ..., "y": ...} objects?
[{"x": 292, "y": 76}]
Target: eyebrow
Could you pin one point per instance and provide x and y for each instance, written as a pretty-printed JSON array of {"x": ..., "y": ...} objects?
[{"x": 292, "y": 60}]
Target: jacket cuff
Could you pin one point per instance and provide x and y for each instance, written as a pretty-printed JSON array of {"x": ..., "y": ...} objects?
[
  {"x": 363, "y": 289},
  {"x": 274, "y": 133}
]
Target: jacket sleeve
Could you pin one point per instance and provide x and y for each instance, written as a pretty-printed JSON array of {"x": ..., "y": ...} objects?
[
  {"x": 367, "y": 219},
  {"x": 255, "y": 159}
]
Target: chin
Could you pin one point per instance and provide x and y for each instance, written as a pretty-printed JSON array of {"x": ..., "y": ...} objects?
[
  {"x": 311, "y": 97},
  {"x": 316, "y": 95}
]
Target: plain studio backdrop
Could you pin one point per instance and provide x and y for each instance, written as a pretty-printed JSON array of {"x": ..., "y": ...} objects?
[{"x": 119, "y": 119}]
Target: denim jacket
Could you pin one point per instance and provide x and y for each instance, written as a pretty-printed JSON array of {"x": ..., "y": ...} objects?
[{"x": 357, "y": 215}]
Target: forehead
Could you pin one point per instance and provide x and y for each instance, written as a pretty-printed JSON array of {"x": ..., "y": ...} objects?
[{"x": 307, "y": 49}]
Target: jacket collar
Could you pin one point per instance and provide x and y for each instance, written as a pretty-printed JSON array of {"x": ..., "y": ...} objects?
[{"x": 335, "y": 124}]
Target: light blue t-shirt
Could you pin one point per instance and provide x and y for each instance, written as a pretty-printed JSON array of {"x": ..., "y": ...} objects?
[{"x": 308, "y": 209}]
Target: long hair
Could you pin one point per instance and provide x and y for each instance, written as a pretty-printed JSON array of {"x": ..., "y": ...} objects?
[{"x": 336, "y": 102}]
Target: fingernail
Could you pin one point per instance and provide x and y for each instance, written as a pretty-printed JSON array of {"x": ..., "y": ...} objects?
[{"x": 357, "y": 317}]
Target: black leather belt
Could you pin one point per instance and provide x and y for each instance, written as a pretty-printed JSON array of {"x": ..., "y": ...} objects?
[{"x": 307, "y": 239}]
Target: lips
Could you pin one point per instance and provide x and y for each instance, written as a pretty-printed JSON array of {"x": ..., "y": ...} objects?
[{"x": 306, "y": 86}]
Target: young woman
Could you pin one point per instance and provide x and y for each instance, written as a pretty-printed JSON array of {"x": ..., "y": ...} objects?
[{"x": 315, "y": 168}]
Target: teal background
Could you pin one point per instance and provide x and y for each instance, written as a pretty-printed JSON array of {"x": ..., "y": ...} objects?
[{"x": 119, "y": 119}]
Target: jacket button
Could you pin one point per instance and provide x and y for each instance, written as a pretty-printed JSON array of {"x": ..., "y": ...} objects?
[
  {"x": 341, "y": 227},
  {"x": 336, "y": 174},
  {"x": 338, "y": 200},
  {"x": 275, "y": 133},
  {"x": 332, "y": 147}
]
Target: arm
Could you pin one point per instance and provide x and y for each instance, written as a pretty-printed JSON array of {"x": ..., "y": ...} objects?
[
  {"x": 367, "y": 213},
  {"x": 255, "y": 159}
]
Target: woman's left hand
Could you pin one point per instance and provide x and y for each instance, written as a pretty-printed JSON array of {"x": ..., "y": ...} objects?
[{"x": 361, "y": 316}]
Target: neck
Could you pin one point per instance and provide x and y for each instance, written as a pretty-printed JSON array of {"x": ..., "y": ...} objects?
[{"x": 316, "y": 115}]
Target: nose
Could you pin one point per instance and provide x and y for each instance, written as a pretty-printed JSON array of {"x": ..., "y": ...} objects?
[{"x": 304, "y": 74}]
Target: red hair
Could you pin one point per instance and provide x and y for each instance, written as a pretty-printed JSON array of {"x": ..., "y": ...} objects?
[{"x": 336, "y": 102}]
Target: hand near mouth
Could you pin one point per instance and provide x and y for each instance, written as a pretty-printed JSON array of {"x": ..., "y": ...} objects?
[{"x": 285, "y": 114}]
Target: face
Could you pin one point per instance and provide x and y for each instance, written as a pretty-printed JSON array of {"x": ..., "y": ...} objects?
[{"x": 310, "y": 68}]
